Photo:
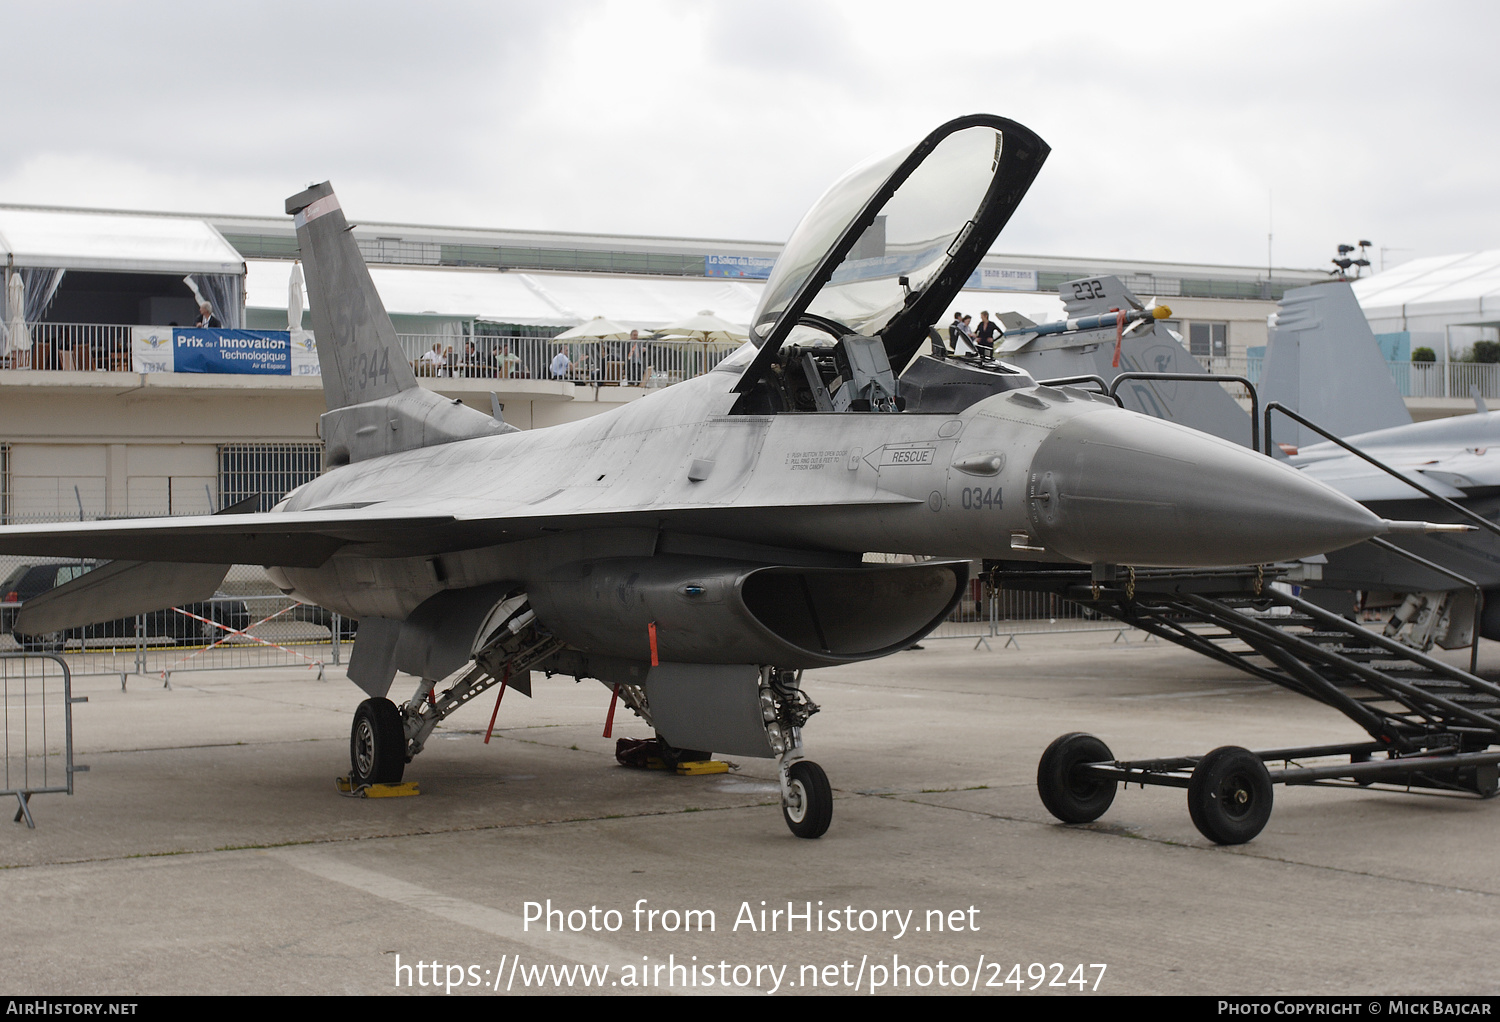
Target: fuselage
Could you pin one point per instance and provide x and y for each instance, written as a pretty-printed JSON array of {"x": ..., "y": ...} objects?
[{"x": 964, "y": 484}]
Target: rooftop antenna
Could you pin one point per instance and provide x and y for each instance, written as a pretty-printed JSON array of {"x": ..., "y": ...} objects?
[{"x": 1270, "y": 224}]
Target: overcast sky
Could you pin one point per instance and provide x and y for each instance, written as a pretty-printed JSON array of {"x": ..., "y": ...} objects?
[{"x": 1178, "y": 131}]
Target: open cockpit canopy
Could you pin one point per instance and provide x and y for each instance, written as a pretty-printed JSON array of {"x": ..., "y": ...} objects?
[{"x": 885, "y": 249}]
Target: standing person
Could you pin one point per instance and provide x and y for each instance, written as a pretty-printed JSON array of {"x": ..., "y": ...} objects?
[
  {"x": 560, "y": 363},
  {"x": 206, "y": 318},
  {"x": 955, "y": 330},
  {"x": 963, "y": 345},
  {"x": 635, "y": 364},
  {"x": 985, "y": 333}
]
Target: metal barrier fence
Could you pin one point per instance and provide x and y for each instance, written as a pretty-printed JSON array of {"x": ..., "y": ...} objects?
[
  {"x": 650, "y": 363},
  {"x": 985, "y": 614},
  {"x": 37, "y": 738},
  {"x": 229, "y": 633},
  {"x": 224, "y": 633}
]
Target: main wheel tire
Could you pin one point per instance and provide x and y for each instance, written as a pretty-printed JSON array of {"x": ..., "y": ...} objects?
[
  {"x": 377, "y": 744},
  {"x": 1229, "y": 795},
  {"x": 1068, "y": 793},
  {"x": 810, "y": 810}
]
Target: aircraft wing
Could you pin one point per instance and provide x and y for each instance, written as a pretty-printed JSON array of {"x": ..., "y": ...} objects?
[{"x": 306, "y": 539}]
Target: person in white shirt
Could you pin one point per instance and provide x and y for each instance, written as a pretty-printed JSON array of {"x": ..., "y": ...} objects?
[
  {"x": 560, "y": 364},
  {"x": 963, "y": 340}
]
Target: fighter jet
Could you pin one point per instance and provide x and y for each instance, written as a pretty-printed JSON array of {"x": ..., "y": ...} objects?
[{"x": 696, "y": 550}]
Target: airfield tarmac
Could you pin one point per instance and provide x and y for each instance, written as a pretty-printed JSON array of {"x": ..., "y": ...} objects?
[{"x": 207, "y": 851}]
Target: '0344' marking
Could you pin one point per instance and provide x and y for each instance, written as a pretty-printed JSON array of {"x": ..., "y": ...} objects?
[{"x": 980, "y": 498}]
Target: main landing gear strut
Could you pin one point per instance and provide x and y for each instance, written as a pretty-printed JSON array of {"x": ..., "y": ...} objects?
[{"x": 385, "y": 737}]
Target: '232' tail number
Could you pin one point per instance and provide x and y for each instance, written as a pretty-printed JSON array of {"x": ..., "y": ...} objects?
[{"x": 980, "y": 498}]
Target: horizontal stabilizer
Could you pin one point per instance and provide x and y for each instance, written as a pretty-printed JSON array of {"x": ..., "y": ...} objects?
[{"x": 119, "y": 589}]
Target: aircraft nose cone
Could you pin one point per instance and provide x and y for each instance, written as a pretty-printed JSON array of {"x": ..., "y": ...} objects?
[{"x": 1121, "y": 488}]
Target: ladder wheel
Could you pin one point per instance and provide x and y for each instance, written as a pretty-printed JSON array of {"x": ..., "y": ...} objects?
[
  {"x": 1069, "y": 794},
  {"x": 1229, "y": 795}
]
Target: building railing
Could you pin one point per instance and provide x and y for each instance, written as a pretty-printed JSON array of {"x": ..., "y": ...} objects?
[
  {"x": 649, "y": 362},
  {"x": 1412, "y": 379},
  {"x": 85, "y": 347},
  {"x": 74, "y": 347},
  {"x": 645, "y": 363}
]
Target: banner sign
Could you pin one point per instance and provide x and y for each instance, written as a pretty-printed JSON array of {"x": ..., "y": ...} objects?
[
  {"x": 164, "y": 349},
  {"x": 1001, "y": 278},
  {"x": 305, "y": 354},
  {"x": 241, "y": 352},
  {"x": 751, "y": 267},
  {"x": 151, "y": 349}
]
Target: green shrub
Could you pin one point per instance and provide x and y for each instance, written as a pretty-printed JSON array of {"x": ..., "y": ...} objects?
[
  {"x": 1423, "y": 355},
  {"x": 1486, "y": 351}
]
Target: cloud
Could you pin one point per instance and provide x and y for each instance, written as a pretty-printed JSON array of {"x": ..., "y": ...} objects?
[{"x": 1169, "y": 132}]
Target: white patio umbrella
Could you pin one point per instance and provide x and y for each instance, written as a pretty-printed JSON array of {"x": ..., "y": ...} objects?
[
  {"x": 596, "y": 329},
  {"x": 17, "y": 337},
  {"x": 294, "y": 298},
  {"x": 705, "y": 327}
]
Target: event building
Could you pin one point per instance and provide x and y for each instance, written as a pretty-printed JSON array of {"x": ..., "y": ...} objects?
[{"x": 87, "y": 430}]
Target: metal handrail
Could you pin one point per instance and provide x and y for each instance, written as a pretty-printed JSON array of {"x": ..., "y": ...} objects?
[
  {"x": 1478, "y": 520},
  {"x": 1209, "y": 377},
  {"x": 1073, "y": 381}
]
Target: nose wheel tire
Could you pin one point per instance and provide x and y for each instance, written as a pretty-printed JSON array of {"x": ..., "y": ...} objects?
[
  {"x": 1229, "y": 795},
  {"x": 809, "y": 809},
  {"x": 1068, "y": 793},
  {"x": 377, "y": 744}
]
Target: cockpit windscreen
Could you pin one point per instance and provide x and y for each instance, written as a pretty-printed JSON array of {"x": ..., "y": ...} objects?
[{"x": 911, "y": 236}]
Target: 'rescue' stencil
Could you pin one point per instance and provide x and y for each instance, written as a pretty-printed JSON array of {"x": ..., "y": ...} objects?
[{"x": 905, "y": 454}]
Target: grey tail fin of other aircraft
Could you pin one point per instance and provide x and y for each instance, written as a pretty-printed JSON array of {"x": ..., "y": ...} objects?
[
  {"x": 1322, "y": 359},
  {"x": 1094, "y": 296},
  {"x": 357, "y": 348}
]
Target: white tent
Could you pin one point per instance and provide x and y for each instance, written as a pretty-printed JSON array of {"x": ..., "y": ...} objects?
[
  {"x": 120, "y": 242},
  {"x": 453, "y": 293},
  {"x": 1432, "y": 294},
  {"x": 528, "y": 299}
]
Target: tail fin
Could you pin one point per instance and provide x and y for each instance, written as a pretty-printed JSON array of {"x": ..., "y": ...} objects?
[
  {"x": 1322, "y": 360},
  {"x": 375, "y": 405},
  {"x": 357, "y": 348},
  {"x": 1091, "y": 296}
]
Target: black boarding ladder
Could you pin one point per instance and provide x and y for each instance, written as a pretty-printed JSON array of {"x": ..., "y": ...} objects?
[{"x": 1432, "y": 725}]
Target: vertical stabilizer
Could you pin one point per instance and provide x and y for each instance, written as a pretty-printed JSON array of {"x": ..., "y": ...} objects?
[
  {"x": 375, "y": 405},
  {"x": 357, "y": 348},
  {"x": 1322, "y": 359}
]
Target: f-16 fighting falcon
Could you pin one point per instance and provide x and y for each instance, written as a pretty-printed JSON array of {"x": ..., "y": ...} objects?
[{"x": 696, "y": 550}]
